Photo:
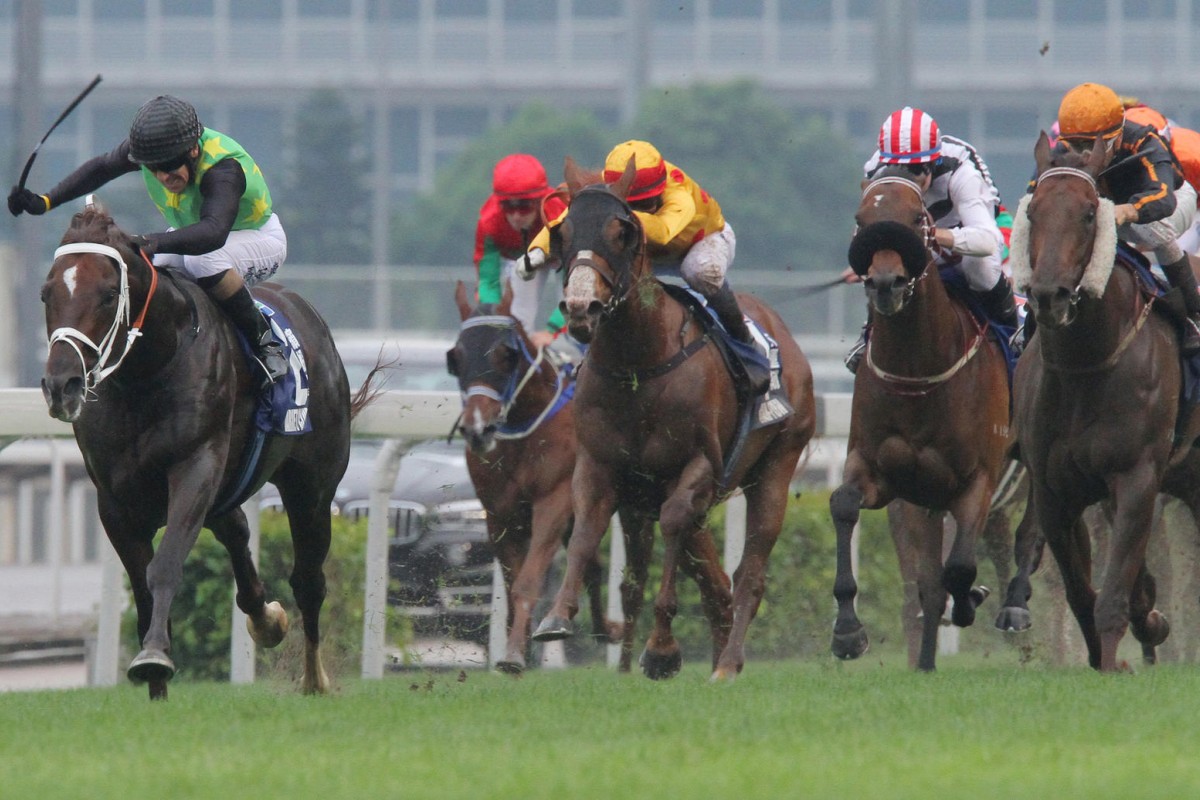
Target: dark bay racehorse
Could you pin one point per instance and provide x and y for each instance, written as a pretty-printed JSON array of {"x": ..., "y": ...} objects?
[
  {"x": 929, "y": 418},
  {"x": 162, "y": 400},
  {"x": 1097, "y": 399},
  {"x": 657, "y": 414},
  {"x": 519, "y": 423}
]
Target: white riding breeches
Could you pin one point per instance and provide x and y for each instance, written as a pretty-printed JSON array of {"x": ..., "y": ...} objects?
[
  {"x": 256, "y": 254},
  {"x": 708, "y": 260},
  {"x": 527, "y": 294},
  {"x": 1164, "y": 236}
]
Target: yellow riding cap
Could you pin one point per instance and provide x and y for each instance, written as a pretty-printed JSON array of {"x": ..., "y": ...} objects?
[
  {"x": 1090, "y": 110},
  {"x": 651, "y": 176}
]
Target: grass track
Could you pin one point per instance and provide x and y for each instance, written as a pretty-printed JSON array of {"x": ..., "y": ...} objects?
[{"x": 783, "y": 730}]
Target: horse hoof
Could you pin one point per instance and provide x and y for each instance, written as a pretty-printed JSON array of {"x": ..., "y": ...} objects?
[
  {"x": 660, "y": 666},
  {"x": 151, "y": 665},
  {"x": 269, "y": 629},
  {"x": 511, "y": 665},
  {"x": 1014, "y": 619},
  {"x": 979, "y": 594},
  {"x": 849, "y": 646},
  {"x": 554, "y": 628},
  {"x": 723, "y": 675}
]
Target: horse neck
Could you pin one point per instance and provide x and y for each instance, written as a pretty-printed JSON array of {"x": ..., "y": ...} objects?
[
  {"x": 1099, "y": 327},
  {"x": 161, "y": 331},
  {"x": 642, "y": 331},
  {"x": 926, "y": 337}
]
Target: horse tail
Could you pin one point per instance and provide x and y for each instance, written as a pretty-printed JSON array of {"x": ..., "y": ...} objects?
[{"x": 371, "y": 388}]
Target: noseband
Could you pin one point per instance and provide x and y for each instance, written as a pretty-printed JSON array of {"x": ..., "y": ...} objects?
[{"x": 104, "y": 349}]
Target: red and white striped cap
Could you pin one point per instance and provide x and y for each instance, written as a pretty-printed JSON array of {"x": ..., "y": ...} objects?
[{"x": 909, "y": 136}]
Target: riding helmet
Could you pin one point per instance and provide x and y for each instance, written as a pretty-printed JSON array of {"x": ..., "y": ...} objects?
[
  {"x": 651, "y": 176},
  {"x": 162, "y": 129},
  {"x": 1090, "y": 110},
  {"x": 519, "y": 176},
  {"x": 909, "y": 136}
]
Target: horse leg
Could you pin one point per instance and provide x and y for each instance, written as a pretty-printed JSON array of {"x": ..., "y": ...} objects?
[
  {"x": 551, "y": 516},
  {"x": 906, "y": 555},
  {"x": 267, "y": 622},
  {"x": 849, "y": 636},
  {"x": 309, "y": 517},
  {"x": 682, "y": 516},
  {"x": 594, "y": 501},
  {"x": 135, "y": 549},
  {"x": 1071, "y": 545},
  {"x": 970, "y": 513},
  {"x": 1028, "y": 546},
  {"x": 766, "y": 503},
  {"x": 702, "y": 563},
  {"x": 925, "y": 532},
  {"x": 639, "y": 547},
  {"x": 1134, "y": 498},
  {"x": 1149, "y": 625},
  {"x": 509, "y": 547}
]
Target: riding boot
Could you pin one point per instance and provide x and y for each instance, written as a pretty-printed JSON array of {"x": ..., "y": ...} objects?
[
  {"x": 999, "y": 304},
  {"x": 725, "y": 304},
  {"x": 1180, "y": 274},
  {"x": 246, "y": 317},
  {"x": 855, "y": 356}
]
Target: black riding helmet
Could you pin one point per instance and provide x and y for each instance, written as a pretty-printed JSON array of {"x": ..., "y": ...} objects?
[{"x": 163, "y": 129}]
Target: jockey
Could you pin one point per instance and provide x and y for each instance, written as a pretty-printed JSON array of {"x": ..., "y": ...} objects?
[
  {"x": 223, "y": 233},
  {"x": 683, "y": 225},
  {"x": 962, "y": 201},
  {"x": 516, "y": 211},
  {"x": 1154, "y": 205},
  {"x": 1184, "y": 144}
]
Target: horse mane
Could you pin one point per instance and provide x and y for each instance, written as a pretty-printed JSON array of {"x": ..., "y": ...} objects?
[
  {"x": 1104, "y": 249},
  {"x": 94, "y": 225}
]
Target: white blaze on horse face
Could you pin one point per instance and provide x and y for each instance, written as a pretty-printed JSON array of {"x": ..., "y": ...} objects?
[
  {"x": 878, "y": 200},
  {"x": 581, "y": 286},
  {"x": 69, "y": 279}
]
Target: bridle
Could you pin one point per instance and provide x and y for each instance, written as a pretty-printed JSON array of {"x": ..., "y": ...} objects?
[
  {"x": 103, "y": 349},
  {"x": 619, "y": 283},
  {"x": 927, "y": 228},
  {"x": 517, "y": 381}
]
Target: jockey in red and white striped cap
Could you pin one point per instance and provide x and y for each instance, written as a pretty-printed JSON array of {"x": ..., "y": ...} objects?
[{"x": 909, "y": 136}]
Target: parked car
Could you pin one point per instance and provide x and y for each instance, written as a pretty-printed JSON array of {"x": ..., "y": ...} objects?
[{"x": 439, "y": 556}]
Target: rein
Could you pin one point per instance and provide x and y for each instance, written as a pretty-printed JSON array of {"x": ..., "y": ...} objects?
[
  {"x": 920, "y": 386},
  {"x": 515, "y": 385},
  {"x": 104, "y": 349}
]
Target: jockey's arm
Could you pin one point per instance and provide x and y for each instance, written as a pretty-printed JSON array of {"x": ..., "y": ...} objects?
[
  {"x": 542, "y": 240},
  {"x": 979, "y": 235},
  {"x": 490, "y": 271},
  {"x": 221, "y": 191},
  {"x": 676, "y": 213},
  {"x": 92, "y": 174}
]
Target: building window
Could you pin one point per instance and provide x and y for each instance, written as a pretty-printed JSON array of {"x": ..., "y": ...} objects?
[
  {"x": 1068, "y": 11},
  {"x": 322, "y": 8},
  {"x": 186, "y": 8},
  {"x": 109, "y": 10},
  {"x": 1011, "y": 9},
  {"x": 1020, "y": 123},
  {"x": 942, "y": 11},
  {"x": 531, "y": 10},
  {"x": 255, "y": 10},
  {"x": 598, "y": 9},
  {"x": 460, "y": 121},
  {"x": 462, "y": 8},
  {"x": 404, "y": 136},
  {"x": 806, "y": 11},
  {"x": 1149, "y": 10},
  {"x": 397, "y": 10},
  {"x": 860, "y": 9},
  {"x": 733, "y": 9},
  {"x": 677, "y": 11},
  {"x": 57, "y": 8}
]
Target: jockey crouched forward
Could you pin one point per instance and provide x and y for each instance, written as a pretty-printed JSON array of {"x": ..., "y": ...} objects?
[
  {"x": 683, "y": 225},
  {"x": 222, "y": 233},
  {"x": 962, "y": 201},
  {"x": 1153, "y": 205}
]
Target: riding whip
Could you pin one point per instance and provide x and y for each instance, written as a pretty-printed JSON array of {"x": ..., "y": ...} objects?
[{"x": 61, "y": 117}]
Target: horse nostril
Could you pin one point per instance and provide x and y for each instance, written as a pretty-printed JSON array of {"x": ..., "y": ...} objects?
[{"x": 595, "y": 307}]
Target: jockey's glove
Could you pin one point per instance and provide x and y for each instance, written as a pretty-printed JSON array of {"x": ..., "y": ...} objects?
[
  {"x": 528, "y": 264},
  {"x": 23, "y": 200},
  {"x": 146, "y": 244}
]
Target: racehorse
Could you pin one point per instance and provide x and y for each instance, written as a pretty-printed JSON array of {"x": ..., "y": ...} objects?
[
  {"x": 162, "y": 401},
  {"x": 658, "y": 412},
  {"x": 519, "y": 424},
  {"x": 929, "y": 417},
  {"x": 1097, "y": 398}
]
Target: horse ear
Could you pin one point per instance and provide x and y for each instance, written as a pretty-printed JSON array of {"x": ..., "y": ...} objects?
[
  {"x": 1041, "y": 153},
  {"x": 1094, "y": 161},
  {"x": 460, "y": 299},
  {"x": 623, "y": 184},
  {"x": 573, "y": 176}
]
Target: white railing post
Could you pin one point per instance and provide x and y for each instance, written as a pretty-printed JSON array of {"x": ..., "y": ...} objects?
[
  {"x": 498, "y": 617},
  {"x": 108, "y": 630},
  {"x": 383, "y": 480},
  {"x": 616, "y": 574},
  {"x": 241, "y": 646}
]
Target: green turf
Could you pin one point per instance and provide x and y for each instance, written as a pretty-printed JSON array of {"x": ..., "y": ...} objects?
[{"x": 796, "y": 729}]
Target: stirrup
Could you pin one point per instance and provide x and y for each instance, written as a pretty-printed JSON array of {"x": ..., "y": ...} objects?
[
  {"x": 270, "y": 357},
  {"x": 854, "y": 357},
  {"x": 1189, "y": 343},
  {"x": 1016, "y": 342}
]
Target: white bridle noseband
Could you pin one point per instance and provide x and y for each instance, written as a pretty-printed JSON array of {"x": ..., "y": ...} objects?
[{"x": 104, "y": 349}]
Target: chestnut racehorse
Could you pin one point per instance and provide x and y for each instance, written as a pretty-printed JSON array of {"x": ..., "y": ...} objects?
[
  {"x": 1097, "y": 398},
  {"x": 519, "y": 423},
  {"x": 162, "y": 400},
  {"x": 929, "y": 417},
  {"x": 658, "y": 412}
]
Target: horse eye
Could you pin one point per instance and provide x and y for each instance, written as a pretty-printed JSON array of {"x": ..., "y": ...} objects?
[
  {"x": 109, "y": 297},
  {"x": 1090, "y": 216}
]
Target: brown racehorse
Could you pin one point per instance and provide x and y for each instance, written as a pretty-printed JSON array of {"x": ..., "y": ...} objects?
[
  {"x": 1097, "y": 399},
  {"x": 162, "y": 401},
  {"x": 519, "y": 424},
  {"x": 929, "y": 418},
  {"x": 657, "y": 414}
]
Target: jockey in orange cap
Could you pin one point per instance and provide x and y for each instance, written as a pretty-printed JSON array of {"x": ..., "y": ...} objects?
[
  {"x": 1153, "y": 204},
  {"x": 520, "y": 203},
  {"x": 683, "y": 225}
]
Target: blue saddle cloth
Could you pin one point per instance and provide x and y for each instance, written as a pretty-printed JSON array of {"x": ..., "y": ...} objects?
[
  {"x": 956, "y": 285},
  {"x": 282, "y": 409}
]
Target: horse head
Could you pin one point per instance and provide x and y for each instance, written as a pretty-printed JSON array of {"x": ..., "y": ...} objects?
[
  {"x": 87, "y": 300},
  {"x": 601, "y": 244},
  {"x": 892, "y": 241},
  {"x": 486, "y": 359},
  {"x": 1064, "y": 234}
]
